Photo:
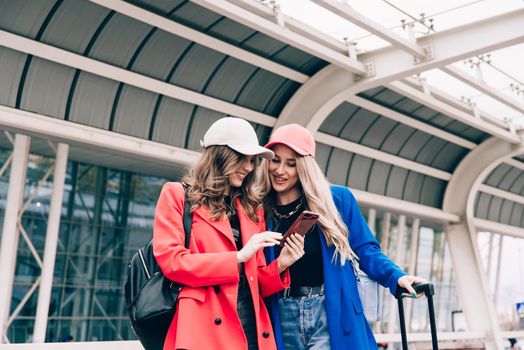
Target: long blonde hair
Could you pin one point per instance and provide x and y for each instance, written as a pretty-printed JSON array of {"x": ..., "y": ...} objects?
[
  {"x": 315, "y": 188},
  {"x": 209, "y": 181}
]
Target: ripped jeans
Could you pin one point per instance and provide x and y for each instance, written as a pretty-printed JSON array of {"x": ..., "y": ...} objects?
[{"x": 304, "y": 323}]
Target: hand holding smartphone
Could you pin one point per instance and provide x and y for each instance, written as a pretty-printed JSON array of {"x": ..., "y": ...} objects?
[{"x": 305, "y": 221}]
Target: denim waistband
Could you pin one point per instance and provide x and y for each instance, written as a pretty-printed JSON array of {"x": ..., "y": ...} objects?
[{"x": 303, "y": 291}]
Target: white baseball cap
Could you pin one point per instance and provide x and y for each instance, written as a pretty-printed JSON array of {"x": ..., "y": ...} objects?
[{"x": 238, "y": 135}]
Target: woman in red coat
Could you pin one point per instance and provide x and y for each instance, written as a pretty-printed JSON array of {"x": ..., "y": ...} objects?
[{"x": 224, "y": 271}]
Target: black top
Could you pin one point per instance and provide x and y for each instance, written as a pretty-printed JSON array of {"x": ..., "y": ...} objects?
[
  {"x": 234, "y": 222},
  {"x": 307, "y": 271},
  {"x": 235, "y": 227}
]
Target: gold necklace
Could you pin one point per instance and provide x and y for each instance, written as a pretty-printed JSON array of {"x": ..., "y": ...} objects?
[{"x": 285, "y": 216}]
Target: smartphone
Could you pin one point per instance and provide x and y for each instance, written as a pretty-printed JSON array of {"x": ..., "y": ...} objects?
[{"x": 305, "y": 221}]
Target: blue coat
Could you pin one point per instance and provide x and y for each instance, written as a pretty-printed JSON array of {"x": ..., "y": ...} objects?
[{"x": 348, "y": 328}]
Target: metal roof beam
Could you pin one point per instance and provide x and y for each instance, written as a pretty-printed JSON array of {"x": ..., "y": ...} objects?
[
  {"x": 446, "y": 109},
  {"x": 292, "y": 24},
  {"x": 400, "y": 206},
  {"x": 406, "y": 120},
  {"x": 345, "y": 11},
  {"x": 483, "y": 87},
  {"x": 497, "y": 227},
  {"x": 185, "y": 32},
  {"x": 91, "y": 137},
  {"x": 283, "y": 34},
  {"x": 311, "y": 33},
  {"x": 67, "y": 58},
  {"x": 454, "y": 102},
  {"x": 515, "y": 163},
  {"x": 497, "y": 192},
  {"x": 445, "y": 47},
  {"x": 373, "y": 153}
]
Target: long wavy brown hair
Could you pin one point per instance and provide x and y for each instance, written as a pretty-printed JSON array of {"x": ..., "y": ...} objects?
[{"x": 209, "y": 181}]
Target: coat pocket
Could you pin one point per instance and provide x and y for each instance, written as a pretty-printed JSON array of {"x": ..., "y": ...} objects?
[{"x": 198, "y": 294}]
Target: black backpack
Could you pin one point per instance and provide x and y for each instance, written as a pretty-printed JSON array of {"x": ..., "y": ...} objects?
[{"x": 150, "y": 296}]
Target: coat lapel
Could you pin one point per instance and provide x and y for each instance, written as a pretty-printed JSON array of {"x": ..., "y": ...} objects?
[{"x": 222, "y": 225}]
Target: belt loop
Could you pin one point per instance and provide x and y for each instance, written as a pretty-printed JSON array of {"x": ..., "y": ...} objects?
[{"x": 286, "y": 292}]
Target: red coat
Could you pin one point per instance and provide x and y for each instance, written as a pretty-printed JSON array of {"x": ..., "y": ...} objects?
[{"x": 206, "y": 316}]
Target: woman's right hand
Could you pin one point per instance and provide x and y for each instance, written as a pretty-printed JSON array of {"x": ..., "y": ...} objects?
[
  {"x": 292, "y": 251},
  {"x": 257, "y": 241}
]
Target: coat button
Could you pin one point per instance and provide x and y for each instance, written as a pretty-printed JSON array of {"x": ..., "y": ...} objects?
[
  {"x": 346, "y": 332},
  {"x": 218, "y": 321},
  {"x": 251, "y": 278},
  {"x": 265, "y": 334}
]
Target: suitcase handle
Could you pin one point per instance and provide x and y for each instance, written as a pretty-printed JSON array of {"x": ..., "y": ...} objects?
[
  {"x": 429, "y": 290},
  {"x": 426, "y": 288}
]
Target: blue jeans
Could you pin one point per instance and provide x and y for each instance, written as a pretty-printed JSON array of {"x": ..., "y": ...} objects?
[{"x": 304, "y": 323}]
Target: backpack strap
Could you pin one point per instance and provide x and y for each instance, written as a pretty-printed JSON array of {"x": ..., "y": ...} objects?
[{"x": 188, "y": 216}]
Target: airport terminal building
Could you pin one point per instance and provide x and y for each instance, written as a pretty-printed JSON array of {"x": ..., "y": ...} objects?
[{"x": 103, "y": 101}]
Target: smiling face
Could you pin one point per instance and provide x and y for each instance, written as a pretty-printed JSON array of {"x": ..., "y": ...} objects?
[
  {"x": 283, "y": 174},
  {"x": 245, "y": 166}
]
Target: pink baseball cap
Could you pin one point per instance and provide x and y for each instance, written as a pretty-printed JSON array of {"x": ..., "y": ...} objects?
[{"x": 296, "y": 137}]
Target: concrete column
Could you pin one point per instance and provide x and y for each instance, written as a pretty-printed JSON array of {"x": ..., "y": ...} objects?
[
  {"x": 372, "y": 217},
  {"x": 439, "y": 275},
  {"x": 10, "y": 233},
  {"x": 51, "y": 241},
  {"x": 413, "y": 250},
  {"x": 385, "y": 232},
  {"x": 499, "y": 264},
  {"x": 385, "y": 227},
  {"x": 472, "y": 285},
  {"x": 398, "y": 259},
  {"x": 412, "y": 264},
  {"x": 489, "y": 266}
]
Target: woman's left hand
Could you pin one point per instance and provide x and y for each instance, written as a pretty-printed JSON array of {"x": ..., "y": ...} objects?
[
  {"x": 406, "y": 281},
  {"x": 292, "y": 251}
]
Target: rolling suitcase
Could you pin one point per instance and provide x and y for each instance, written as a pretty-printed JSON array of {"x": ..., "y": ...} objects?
[{"x": 429, "y": 291}]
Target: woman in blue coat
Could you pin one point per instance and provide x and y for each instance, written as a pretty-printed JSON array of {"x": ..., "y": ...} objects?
[{"x": 321, "y": 309}]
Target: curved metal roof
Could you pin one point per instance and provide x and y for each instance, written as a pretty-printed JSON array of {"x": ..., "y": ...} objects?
[
  {"x": 402, "y": 104},
  {"x": 98, "y": 33},
  {"x": 500, "y": 210},
  {"x": 367, "y": 174},
  {"x": 490, "y": 207}
]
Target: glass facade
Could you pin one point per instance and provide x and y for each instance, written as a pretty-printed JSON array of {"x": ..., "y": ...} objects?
[
  {"x": 432, "y": 262},
  {"x": 503, "y": 261},
  {"x": 106, "y": 215}
]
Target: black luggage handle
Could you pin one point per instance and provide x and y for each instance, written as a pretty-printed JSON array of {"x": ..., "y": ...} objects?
[
  {"x": 429, "y": 290},
  {"x": 426, "y": 288}
]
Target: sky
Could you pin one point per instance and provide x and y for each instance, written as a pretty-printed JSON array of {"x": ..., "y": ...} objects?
[{"x": 505, "y": 68}]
